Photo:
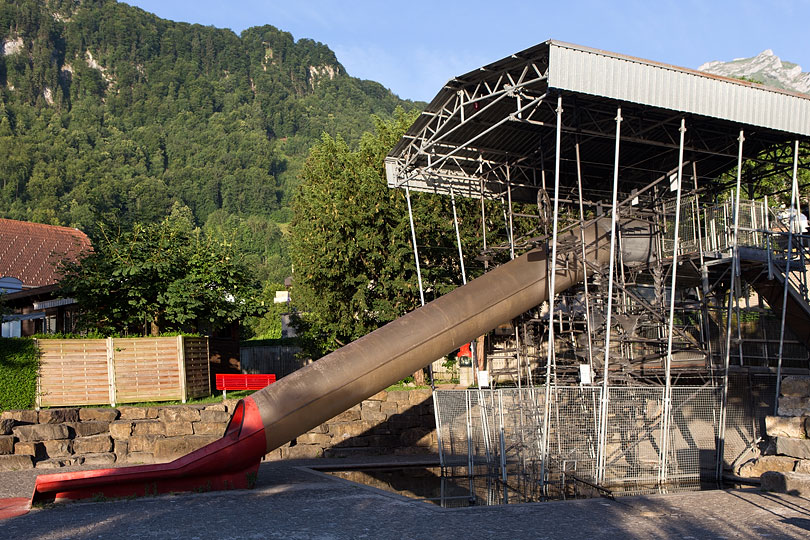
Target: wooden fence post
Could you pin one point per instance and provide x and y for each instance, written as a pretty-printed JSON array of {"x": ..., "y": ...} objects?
[
  {"x": 38, "y": 402},
  {"x": 181, "y": 366},
  {"x": 111, "y": 370}
]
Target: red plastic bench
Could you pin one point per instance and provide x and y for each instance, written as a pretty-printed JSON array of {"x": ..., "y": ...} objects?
[{"x": 243, "y": 381}]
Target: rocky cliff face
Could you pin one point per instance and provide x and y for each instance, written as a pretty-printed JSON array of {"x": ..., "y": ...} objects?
[{"x": 765, "y": 68}]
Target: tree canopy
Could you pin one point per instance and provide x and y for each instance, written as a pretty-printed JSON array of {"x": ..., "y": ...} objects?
[
  {"x": 350, "y": 242},
  {"x": 157, "y": 278}
]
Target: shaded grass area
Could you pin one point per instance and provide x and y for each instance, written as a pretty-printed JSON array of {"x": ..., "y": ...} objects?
[{"x": 19, "y": 363}]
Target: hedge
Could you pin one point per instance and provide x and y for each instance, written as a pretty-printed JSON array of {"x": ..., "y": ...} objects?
[{"x": 19, "y": 363}]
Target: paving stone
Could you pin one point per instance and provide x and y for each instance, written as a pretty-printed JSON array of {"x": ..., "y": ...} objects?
[
  {"x": 41, "y": 432},
  {"x": 58, "y": 416},
  {"x": 785, "y": 426},
  {"x": 6, "y": 444},
  {"x": 94, "y": 444},
  {"x": 792, "y": 483},
  {"x": 174, "y": 447},
  {"x": 798, "y": 448},
  {"x": 58, "y": 463},
  {"x": 28, "y": 448},
  {"x": 148, "y": 427},
  {"x": 99, "y": 460},
  {"x": 802, "y": 466},
  {"x": 85, "y": 429},
  {"x": 120, "y": 447},
  {"x": 140, "y": 458},
  {"x": 131, "y": 413},
  {"x": 795, "y": 385},
  {"x": 399, "y": 396},
  {"x": 343, "y": 430},
  {"x": 59, "y": 448},
  {"x": 121, "y": 429},
  {"x": 303, "y": 451},
  {"x": 179, "y": 414},
  {"x": 6, "y": 425},
  {"x": 175, "y": 429},
  {"x": 369, "y": 406},
  {"x": 349, "y": 415},
  {"x": 373, "y": 416},
  {"x": 314, "y": 438},
  {"x": 16, "y": 463},
  {"x": 216, "y": 407},
  {"x": 98, "y": 415},
  {"x": 23, "y": 416},
  {"x": 794, "y": 406},
  {"x": 209, "y": 428},
  {"x": 418, "y": 436},
  {"x": 215, "y": 416},
  {"x": 419, "y": 396},
  {"x": 756, "y": 467},
  {"x": 389, "y": 408},
  {"x": 143, "y": 443}
]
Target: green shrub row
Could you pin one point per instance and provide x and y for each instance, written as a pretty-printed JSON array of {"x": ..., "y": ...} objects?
[{"x": 19, "y": 364}]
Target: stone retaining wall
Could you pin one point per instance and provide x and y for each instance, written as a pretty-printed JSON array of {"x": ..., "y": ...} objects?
[
  {"x": 786, "y": 459},
  {"x": 386, "y": 423}
]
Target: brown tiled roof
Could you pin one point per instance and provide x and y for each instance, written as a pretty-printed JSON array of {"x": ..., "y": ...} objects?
[{"x": 31, "y": 252}]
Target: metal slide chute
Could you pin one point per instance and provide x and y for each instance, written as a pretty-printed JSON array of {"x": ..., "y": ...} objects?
[{"x": 314, "y": 394}]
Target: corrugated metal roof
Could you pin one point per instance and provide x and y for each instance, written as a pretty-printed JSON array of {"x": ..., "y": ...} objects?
[
  {"x": 624, "y": 78},
  {"x": 474, "y": 123}
]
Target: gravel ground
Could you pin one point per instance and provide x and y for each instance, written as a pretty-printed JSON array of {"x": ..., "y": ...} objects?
[{"x": 291, "y": 501}]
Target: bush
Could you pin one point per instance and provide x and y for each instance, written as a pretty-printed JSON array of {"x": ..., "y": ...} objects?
[{"x": 19, "y": 364}]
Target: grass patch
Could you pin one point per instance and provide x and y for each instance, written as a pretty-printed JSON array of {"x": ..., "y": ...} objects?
[
  {"x": 402, "y": 387},
  {"x": 214, "y": 398},
  {"x": 19, "y": 364}
]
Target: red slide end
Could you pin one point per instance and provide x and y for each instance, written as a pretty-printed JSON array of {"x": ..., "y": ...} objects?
[
  {"x": 17, "y": 506},
  {"x": 231, "y": 462}
]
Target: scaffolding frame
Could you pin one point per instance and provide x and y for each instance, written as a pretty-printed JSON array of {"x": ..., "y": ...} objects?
[{"x": 486, "y": 136}]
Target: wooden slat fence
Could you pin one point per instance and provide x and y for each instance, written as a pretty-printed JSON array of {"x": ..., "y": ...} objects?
[{"x": 122, "y": 370}]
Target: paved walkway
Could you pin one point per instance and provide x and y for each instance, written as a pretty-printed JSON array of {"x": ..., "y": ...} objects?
[{"x": 291, "y": 501}]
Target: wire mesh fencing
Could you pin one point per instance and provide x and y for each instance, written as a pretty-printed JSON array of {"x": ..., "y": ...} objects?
[{"x": 503, "y": 430}]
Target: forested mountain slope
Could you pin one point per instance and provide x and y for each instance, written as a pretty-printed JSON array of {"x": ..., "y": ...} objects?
[{"x": 111, "y": 114}]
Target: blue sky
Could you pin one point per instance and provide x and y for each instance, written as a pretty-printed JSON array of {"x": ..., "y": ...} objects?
[{"x": 414, "y": 47}]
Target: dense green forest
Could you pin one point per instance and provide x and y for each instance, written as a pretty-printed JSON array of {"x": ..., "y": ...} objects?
[{"x": 109, "y": 116}]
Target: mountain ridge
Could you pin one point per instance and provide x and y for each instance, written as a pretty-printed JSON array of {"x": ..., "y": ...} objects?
[
  {"x": 765, "y": 68},
  {"x": 110, "y": 114}
]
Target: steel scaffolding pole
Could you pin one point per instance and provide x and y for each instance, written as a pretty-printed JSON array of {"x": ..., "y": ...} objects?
[
  {"x": 584, "y": 264},
  {"x": 511, "y": 227},
  {"x": 458, "y": 238},
  {"x": 794, "y": 212},
  {"x": 550, "y": 358},
  {"x": 613, "y": 221},
  {"x": 415, "y": 249},
  {"x": 734, "y": 273},
  {"x": 418, "y": 271},
  {"x": 662, "y": 476}
]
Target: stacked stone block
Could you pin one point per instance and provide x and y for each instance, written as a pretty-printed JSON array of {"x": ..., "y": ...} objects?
[
  {"x": 53, "y": 438},
  {"x": 785, "y": 467},
  {"x": 393, "y": 423}
]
